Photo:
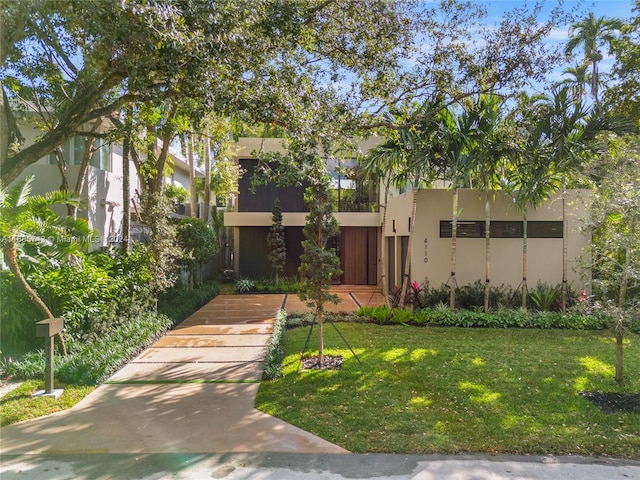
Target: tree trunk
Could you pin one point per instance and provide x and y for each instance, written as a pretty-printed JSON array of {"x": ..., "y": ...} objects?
[
  {"x": 407, "y": 262},
  {"x": 565, "y": 248},
  {"x": 89, "y": 143},
  {"x": 62, "y": 167},
  {"x": 624, "y": 284},
  {"x": 10, "y": 251},
  {"x": 454, "y": 241},
  {"x": 383, "y": 249},
  {"x": 192, "y": 177},
  {"x": 207, "y": 177},
  {"x": 9, "y": 131},
  {"x": 524, "y": 258},
  {"x": 619, "y": 344},
  {"x": 487, "y": 240},
  {"x": 320, "y": 320}
]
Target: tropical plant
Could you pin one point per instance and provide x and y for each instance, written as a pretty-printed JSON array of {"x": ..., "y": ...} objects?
[
  {"x": 407, "y": 160},
  {"x": 545, "y": 297},
  {"x": 244, "y": 285},
  {"x": 571, "y": 132},
  {"x": 530, "y": 177},
  {"x": 593, "y": 34},
  {"x": 489, "y": 144},
  {"x": 199, "y": 244},
  {"x": 28, "y": 220},
  {"x": 456, "y": 128}
]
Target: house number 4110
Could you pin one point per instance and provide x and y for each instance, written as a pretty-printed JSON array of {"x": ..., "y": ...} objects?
[{"x": 426, "y": 255}]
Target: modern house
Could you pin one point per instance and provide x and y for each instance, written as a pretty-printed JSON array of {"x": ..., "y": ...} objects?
[
  {"x": 357, "y": 212},
  {"x": 361, "y": 219}
]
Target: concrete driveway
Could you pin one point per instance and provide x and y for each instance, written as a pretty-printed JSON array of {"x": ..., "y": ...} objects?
[{"x": 192, "y": 391}]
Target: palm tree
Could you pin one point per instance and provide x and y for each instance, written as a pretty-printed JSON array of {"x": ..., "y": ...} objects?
[
  {"x": 592, "y": 34},
  {"x": 571, "y": 130},
  {"x": 488, "y": 145},
  {"x": 530, "y": 178},
  {"x": 27, "y": 219},
  {"x": 407, "y": 159},
  {"x": 578, "y": 78},
  {"x": 386, "y": 161},
  {"x": 455, "y": 138}
]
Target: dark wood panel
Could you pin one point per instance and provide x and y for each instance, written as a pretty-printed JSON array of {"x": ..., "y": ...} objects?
[
  {"x": 359, "y": 255},
  {"x": 262, "y": 198}
]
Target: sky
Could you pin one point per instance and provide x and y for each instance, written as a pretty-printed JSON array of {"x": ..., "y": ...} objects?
[{"x": 621, "y": 9}]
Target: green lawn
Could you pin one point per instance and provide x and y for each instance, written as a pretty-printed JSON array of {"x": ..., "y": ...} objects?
[
  {"x": 18, "y": 405},
  {"x": 446, "y": 390}
]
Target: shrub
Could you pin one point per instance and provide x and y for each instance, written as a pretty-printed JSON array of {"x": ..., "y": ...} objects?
[
  {"x": 272, "y": 365},
  {"x": 92, "y": 363},
  {"x": 244, "y": 285},
  {"x": 17, "y": 317},
  {"x": 199, "y": 243},
  {"x": 501, "y": 318},
  {"x": 178, "y": 302},
  {"x": 400, "y": 315},
  {"x": 545, "y": 297}
]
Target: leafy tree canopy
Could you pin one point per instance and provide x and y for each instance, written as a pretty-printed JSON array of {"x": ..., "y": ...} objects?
[{"x": 309, "y": 66}]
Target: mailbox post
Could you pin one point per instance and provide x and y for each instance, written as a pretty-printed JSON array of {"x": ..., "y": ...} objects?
[{"x": 48, "y": 329}]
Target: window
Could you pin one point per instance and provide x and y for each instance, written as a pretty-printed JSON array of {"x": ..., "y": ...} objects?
[
  {"x": 66, "y": 153},
  {"x": 502, "y": 229},
  {"x": 101, "y": 158},
  {"x": 544, "y": 229},
  {"x": 78, "y": 150},
  {"x": 464, "y": 229}
]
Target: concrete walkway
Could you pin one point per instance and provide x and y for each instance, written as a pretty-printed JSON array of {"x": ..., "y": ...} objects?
[
  {"x": 192, "y": 391},
  {"x": 184, "y": 409}
]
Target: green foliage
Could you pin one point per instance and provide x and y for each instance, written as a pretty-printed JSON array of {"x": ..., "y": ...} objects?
[
  {"x": 244, "y": 285},
  {"x": 272, "y": 364},
  {"x": 545, "y": 297},
  {"x": 17, "y": 317},
  {"x": 91, "y": 363},
  {"x": 178, "y": 302},
  {"x": 198, "y": 243},
  {"x": 379, "y": 314},
  {"x": 269, "y": 285},
  {"x": 94, "y": 293},
  {"x": 402, "y": 316},
  {"x": 442, "y": 315},
  {"x": 277, "y": 253},
  {"x": 164, "y": 254},
  {"x": 176, "y": 193}
]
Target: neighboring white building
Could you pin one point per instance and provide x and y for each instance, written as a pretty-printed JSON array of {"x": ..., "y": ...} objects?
[{"x": 103, "y": 191}]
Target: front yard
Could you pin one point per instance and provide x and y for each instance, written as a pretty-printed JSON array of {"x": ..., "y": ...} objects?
[{"x": 447, "y": 390}]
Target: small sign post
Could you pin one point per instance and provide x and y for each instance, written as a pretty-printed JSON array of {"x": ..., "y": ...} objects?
[{"x": 48, "y": 328}]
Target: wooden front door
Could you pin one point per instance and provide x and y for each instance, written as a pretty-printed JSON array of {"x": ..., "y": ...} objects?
[{"x": 359, "y": 255}]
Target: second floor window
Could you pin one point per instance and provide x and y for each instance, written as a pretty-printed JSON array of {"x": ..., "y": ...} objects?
[{"x": 73, "y": 152}]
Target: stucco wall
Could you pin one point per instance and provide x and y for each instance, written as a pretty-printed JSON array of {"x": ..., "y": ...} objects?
[{"x": 431, "y": 257}]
